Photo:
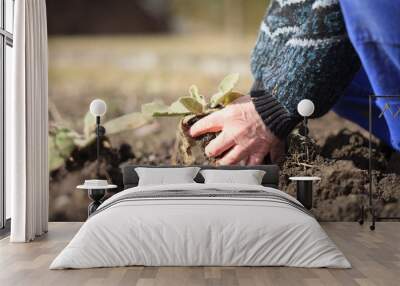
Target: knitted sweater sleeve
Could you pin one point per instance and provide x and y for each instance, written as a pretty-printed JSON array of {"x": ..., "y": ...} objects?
[{"x": 302, "y": 51}]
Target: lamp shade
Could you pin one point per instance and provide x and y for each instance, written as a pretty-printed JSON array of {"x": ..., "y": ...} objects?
[
  {"x": 306, "y": 108},
  {"x": 98, "y": 107}
]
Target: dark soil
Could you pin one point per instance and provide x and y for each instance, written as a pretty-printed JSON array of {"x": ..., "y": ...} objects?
[
  {"x": 342, "y": 163},
  {"x": 69, "y": 204}
]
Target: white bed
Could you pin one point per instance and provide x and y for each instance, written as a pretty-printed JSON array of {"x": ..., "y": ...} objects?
[{"x": 248, "y": 226}]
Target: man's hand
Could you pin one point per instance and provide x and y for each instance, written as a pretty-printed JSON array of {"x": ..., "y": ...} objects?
[{"x": 243, "y": 134}]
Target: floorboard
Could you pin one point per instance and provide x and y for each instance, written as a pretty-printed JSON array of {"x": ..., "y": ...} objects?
[{"x": 375, "y": 257}]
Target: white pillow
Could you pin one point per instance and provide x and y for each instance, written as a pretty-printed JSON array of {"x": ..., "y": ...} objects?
[
  {"x": 166, "y": 176},
  {"x": 248, "y": 177}
]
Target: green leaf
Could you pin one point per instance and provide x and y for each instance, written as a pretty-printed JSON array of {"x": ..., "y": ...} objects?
[
  {"x": 155, "y": 108},
  {"x": 225, "y": 99},
  {"x": 61, "y": 145},
  {"x": 55, "y": 159},
  {"x": 191, "y": 104},
  {"x": 126, "y": 122},
  {"x": 194, "y": 93},
  {"x": 225, "y": 95},
  {"x": 195, "y": 103},
  {"x": 89, "y": 124},
  {"x": 228, "y": 83},
  {"x": 159, "y": 109},
  {"x": 177, "y": 109},
  {"x": 64, "y": 142}
]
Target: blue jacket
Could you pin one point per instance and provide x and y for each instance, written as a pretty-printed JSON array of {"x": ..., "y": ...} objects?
[{"x": 374, "y": 30}]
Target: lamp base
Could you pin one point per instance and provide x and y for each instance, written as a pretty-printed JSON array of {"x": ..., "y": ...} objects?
[
  {"x": 305, "y": 190},
  {"x": 304, "y": 193},
  {"x": 96, "y": 195}
]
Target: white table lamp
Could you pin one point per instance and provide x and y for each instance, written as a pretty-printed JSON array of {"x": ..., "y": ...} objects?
[
  {"x": 306, "y": 109},
  {"x": 98, "y": 108}
]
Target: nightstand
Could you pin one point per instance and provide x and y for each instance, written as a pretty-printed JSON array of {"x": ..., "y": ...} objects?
[
  {"x": 305, "y": 189},
  {"x": 96, "y": 191}
]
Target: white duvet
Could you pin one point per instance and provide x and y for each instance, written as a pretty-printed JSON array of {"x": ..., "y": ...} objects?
[{"x": 189, "y": 231}]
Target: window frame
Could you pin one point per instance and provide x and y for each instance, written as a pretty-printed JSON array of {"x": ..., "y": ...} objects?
[{"x": 6, "y": 39}]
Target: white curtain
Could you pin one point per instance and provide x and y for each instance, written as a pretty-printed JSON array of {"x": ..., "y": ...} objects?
[{"x": 27, "y": 129}]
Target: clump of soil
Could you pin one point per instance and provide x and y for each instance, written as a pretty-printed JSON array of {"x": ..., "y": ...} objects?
[{"x": 188, "y": 150}]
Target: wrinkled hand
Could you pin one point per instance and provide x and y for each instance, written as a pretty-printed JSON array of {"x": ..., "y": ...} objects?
[{"x": 243, "y": 134}]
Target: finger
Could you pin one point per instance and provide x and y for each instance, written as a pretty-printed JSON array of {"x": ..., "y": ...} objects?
[
  {"x": 234, "y": 156},
  {"x": 219, "y": 145},
  {"x": 255, "y": 159},
  {"x": 210, "y": 123}
]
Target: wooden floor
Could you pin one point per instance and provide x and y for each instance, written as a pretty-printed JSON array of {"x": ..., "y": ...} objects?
[{"x": 375, "y": 257}]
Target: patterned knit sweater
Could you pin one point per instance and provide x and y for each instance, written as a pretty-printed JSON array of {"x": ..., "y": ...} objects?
[{"x": 302, "y": 51}]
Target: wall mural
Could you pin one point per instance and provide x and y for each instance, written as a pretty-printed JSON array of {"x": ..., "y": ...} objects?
[{"x": 159, "y": 82}]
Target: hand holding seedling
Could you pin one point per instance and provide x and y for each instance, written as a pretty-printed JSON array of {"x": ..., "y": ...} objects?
[{"x": 243, "y": 137}]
